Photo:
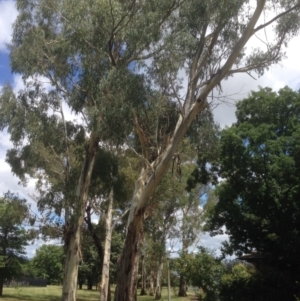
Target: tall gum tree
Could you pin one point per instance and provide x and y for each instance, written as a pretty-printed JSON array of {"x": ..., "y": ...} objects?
[
  {"x": 85, "y": 50},
  {"x": 212, "y": 36},
  {"x": 88, "y": 51}
]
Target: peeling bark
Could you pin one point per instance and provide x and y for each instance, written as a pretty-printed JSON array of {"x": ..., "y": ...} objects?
[{"x": 127, "y": 285}]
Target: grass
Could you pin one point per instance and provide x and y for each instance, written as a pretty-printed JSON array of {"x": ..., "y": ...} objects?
[{"x": 53, "y": 293}]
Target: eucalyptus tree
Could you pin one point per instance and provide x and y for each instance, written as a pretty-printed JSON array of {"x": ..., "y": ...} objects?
[
  {"x": 91, "y": 51},
  {"x": 209, "y": 45},
  {"x": 112, "y": 185},
  {"x": 46, "y": 147},
  {"x": 86, "y": 50}
]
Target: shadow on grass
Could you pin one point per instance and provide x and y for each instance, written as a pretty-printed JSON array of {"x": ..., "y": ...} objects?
[{"x": 28, "y": 298}]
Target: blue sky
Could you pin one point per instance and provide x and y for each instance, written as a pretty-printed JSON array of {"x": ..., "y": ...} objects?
[
  {"x": 287, "y": 73},
  {"x": 5, "y": 71}
]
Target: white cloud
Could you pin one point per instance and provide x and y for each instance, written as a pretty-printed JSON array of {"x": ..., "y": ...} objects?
[
  {"x": 287, "y": 73},
  {"x": 212, "y": 242},
  {"x": 8, "y": 14},
  {"x": 31, "y": 249}
]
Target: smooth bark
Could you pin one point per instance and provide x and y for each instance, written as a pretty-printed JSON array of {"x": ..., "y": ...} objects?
[
  {"x": 73, "y": 230},
  {"x": 104, "y": 284},
  {"x": 151, "y": 283},
  {"x": 158, "y": 280}
]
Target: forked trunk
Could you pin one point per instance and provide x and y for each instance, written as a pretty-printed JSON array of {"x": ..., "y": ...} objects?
[
  {"x": 104, "y": 284},
  {"x": 73, "y": 231},
  {"x": 158, "y": 280},
  {"x": 73, "y": 255}
]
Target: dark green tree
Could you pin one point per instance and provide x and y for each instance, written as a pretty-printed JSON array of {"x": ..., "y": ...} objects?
[
  {"x": 204, "y": 270},
  {"x": 90, "y": 266},
  {"x": 14, "y": 212},
  {"x": 260, "y": 167},
  {"x": 48, "y": 263}
]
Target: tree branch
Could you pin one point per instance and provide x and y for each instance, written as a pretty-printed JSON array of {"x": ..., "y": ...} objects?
[{"x": 277, "y": 17}]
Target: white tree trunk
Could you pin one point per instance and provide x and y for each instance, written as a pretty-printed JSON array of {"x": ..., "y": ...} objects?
[
  {"x": 107, "y": 250},
  {"x": 158, "y": 280},
  {"x": 151, "y": 283},
  {"x": 73, "y": 230}
]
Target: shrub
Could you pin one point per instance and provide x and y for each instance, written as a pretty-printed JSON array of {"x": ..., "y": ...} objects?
[{"x": 244, "y": 283}]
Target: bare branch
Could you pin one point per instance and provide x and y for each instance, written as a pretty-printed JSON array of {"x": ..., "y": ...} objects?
[
  {"x": 249, "y": 31},
  {"x": 119, "y": 218}
]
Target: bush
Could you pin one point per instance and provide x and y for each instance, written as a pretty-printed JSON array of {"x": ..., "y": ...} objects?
[{"x": 244, "y": 283}]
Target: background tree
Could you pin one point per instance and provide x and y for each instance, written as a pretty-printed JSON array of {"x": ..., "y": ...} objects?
[
  {"x": 90, "y": 265},
  {"x": 14, "y": 212},
  {"x": 48, "y": 263},
  {"x": 204, "y": 270},
  {"x": 246, "y": 283},
  {"x": 259, "y": 197}
]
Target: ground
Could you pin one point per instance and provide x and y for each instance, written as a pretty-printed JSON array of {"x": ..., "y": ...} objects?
[{"x": 53, "y": 293}]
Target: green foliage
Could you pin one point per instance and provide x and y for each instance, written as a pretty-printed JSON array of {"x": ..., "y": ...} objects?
[
  {"x": 91, "y": 265},
  {"x": 13, "y": 236},
  {"x": 96, "y": 54},
  {"x": 48, "y": 263},
  {"x": 237, "y": 284},
  {"x": 204, "y": 134},
  {"x": 117, "y": 243},
  {"x": 204, "y": 270},
  {"x": 244, "y": 283},
  {"x": 259, "y": 162}
]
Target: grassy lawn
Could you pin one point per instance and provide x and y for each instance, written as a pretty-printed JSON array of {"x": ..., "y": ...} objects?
[{"x": 53, "y": 293}]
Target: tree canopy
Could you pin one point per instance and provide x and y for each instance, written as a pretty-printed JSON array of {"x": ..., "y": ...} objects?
[
  {"x": 14, "y": 212},
  {"x": 259, "y": 165},
  {"x": 48, "y": 263}
]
